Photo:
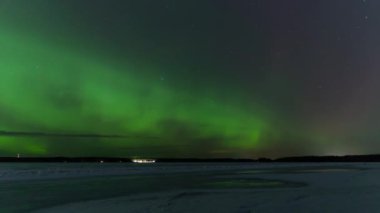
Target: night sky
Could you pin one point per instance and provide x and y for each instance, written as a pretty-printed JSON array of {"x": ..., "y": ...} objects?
[{"x": 196, "y": 78}]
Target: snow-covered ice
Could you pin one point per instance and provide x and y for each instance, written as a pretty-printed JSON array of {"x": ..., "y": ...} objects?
[{"x": 198, "y": 187}]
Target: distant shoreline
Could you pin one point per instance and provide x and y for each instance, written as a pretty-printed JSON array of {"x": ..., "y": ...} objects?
[{"x": 347, "y": 158}]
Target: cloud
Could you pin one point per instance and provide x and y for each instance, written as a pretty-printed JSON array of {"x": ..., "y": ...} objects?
[{"x": 48, "y": 134}]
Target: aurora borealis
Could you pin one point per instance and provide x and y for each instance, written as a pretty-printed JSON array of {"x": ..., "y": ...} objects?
[{"x": 189, "y": 78}]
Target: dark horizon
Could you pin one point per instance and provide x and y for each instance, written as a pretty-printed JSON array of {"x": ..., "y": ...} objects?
[{"x": 99, "y": 159}]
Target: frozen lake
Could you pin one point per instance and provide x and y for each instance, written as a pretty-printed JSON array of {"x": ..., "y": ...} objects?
[{"x": 186, "y": 187}]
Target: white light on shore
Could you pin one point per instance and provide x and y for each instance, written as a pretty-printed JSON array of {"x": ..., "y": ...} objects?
[{"x": 143, "y": 161}]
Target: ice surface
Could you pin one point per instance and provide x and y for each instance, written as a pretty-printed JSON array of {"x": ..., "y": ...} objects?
[{"x": 177, "y": 187}]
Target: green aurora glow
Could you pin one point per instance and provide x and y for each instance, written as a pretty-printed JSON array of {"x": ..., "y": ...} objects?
[
  {"x": 180, "y": 98},
  {"x": 52, "y": 89}
]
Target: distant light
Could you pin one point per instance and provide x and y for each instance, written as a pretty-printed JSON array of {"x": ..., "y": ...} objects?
[
  {"x": 101, "y": 161},
  {"x": 143, "y": 160}
]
